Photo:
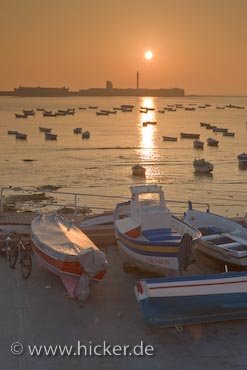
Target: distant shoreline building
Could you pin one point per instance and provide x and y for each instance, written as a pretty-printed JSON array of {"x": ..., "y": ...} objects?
[
  {"x": 107, "y": 91},
  {"x": 41, "y": 91},
  {"x": 132, "y": 92}
]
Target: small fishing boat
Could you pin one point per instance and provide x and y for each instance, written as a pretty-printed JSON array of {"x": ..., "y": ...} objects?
[
  {"x": 202, "y": 166},
  {"x": 210, "y": 127},
  {"x": 19, "y": 115},
  {"x": 161, "y": 111},
  {"x": 230, "y": 134},
  {"x": 77, "y": 130},
  {"x": 198, "y": 144},
  {"x": 86, "y": 135},
  {"x": 242, "y": 158},
  {"x": 169, "y": 138},
  {"x": 10, "y": 132},
  {"x": 28, "y": 112},
  {"x": 212, "y": 142},
  {"x": 149, "y": 123},
  {"x": 185, "y": 135},
  {"x": 66, "y": 251},
  {"x": 222, "y": 240},
  {"x": 93, "y": 107},
  {"x": 40, "y": 109},
  {"x": 204, "y": 124},
  {"x": 149, "y": 236},
  {"x": 187, "y": 300},
  {"x": 138, "y": 170},
  {"x": 49, "y": 114},
  {"x": 50, "y": 136},
  {"x": 219, "y": 107},
  {"x": 220, "y": 129},
  {"x": 102, "y": 113},
  {"x": 190, "y": 108},
  {"x": 21, "y": 136},
  {"x": 44, "y": 129},
  {"x": 82, "y": 108}
]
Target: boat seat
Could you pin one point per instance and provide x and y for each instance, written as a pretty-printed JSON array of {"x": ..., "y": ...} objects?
[
  {"x": 229, "y": 245},
  {"x": 211, "y": 237},
  {"x": 157, "y": 235},
  {"x": 210, "y": 230}
]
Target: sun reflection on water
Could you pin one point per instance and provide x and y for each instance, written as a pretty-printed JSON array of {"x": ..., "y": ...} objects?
[{"x": 147, "y": 137}]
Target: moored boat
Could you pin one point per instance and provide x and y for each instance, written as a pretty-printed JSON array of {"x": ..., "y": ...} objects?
[
  {"x": 138, "y": 170},
  {"x": 220, "y": 129},
  {"x": 242, "y": 158},
  {"x": 66, "y": 251},
  {"x": 202, "y": 166},
  {"x": 186, "y": 135},
  {"x": 198, "y": 144},
  {"x": 187, "y": 300},
  {"x": 50, "y": 136},
  {"x": 86, "y": 135},
  {"x": 18, "y": 115},
  {"x": 21, "y": 136},
  {"x": 212, "y": 142},
  {"x": 44, "y": 129},
  {"x": 11, "y": 132},
  {"x": 169, "y": 138},
  {"x": 77, "y": 130},
  {"x": 149, "y": 236},
  {"x": 231, "y": 134}
]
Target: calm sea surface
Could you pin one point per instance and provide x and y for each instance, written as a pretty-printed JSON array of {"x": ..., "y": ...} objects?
[{"x": 102, "y": 164}]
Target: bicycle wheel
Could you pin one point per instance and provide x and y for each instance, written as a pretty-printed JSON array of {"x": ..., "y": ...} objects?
[
  {"x": 13, "y": 255},
  {"x": 26, "y": 265}
]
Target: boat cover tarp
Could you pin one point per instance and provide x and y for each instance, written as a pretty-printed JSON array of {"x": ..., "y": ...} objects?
[{"x": 60, "y": 239}]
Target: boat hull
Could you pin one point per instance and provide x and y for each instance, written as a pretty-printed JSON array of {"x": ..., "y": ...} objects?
[{"x": 193, "y": 300}]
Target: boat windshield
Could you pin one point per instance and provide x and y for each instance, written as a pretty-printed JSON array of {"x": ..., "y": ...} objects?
[{"x": 149, "y": 199}]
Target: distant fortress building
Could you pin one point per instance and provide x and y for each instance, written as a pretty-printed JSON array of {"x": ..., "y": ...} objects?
[{"x": 41, "y": 91}]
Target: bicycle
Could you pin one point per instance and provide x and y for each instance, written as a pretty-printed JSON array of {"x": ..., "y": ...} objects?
[{"x": 20, "y": 253}]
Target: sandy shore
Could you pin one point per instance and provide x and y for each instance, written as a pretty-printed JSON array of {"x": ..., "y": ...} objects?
[{"x": 38, "y": 311}]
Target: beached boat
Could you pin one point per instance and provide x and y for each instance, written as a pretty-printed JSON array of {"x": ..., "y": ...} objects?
[
  {"x": 202, "y": 166},
  {"x": 212, "y": 142},
  {"x": 138, "y": 170},
  {"x": 85, "y": 135},
  {"x": 21, "y": 136},
  {"x": 150, "y": 237},
  {"x": 50, "y": 136},
  {"x": 19, "y": 115},
  {"x": 77, "y": 130},
  {"x": 186, "y": 300},
  {"x": 185, "y": 135},
  {"x": 66, "y": 251},
  {"x": 169, "y": 138},
  {"x": 231, "y": 134},
  {"x": 44, "y": 129},
  {"x": 222, "y": 239},
  {"x": 198, "y": 144}
]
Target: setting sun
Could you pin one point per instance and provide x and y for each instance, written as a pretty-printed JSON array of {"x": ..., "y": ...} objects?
[{"x": 148, "y": 55}]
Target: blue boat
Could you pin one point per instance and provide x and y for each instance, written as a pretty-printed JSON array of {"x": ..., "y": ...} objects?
[
  {"x": 149, "y": 236},
  {"x": 188, "y": 300}
]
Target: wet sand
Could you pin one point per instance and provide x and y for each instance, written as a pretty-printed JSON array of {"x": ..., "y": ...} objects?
[{"x": 38, "y": 311}]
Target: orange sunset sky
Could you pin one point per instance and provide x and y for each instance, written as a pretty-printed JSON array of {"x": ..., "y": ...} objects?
[{"x": 200, "y": 45}]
